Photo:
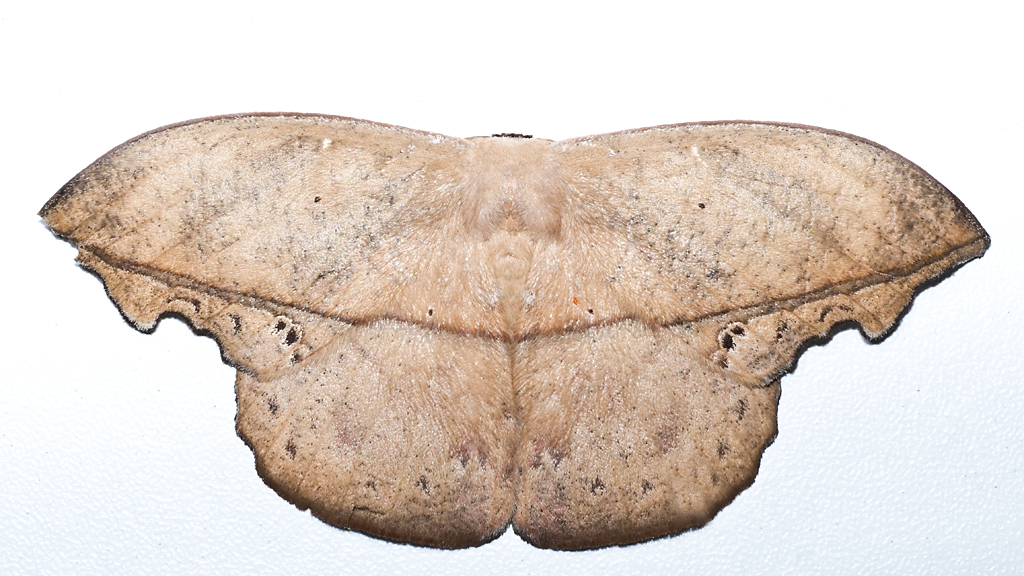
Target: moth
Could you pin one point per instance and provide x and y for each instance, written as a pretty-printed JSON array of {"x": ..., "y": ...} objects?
[{"x": 439, "y": 337}]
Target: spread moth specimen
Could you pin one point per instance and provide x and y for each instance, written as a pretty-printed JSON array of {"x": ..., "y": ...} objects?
[{"x": 437, "y": 337}]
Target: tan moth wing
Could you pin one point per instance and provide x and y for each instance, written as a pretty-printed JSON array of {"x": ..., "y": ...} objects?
[
  {"x": 723, "y": 248},
  {"x": 308, "y": 247},
  {"x": 435, "y": 333}
]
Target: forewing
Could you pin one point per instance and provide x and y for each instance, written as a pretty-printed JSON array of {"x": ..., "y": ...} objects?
[
  {"x": 340, "y": 217},
  {"x": 680, "y": 223}
]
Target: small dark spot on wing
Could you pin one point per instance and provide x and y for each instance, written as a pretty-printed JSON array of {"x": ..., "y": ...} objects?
[
  {"x": 726, "y": 341},
  {"x": 740, "y": 408},
  {"x": 727, "y": 338},
  {"x": 824, "y": 312},
  {"x": 723, "y": 449},
  {"x": 780, "y": 330}
]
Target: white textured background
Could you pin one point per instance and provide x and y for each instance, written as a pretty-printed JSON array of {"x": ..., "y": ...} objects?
[{"x": 117, "y": 449}]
